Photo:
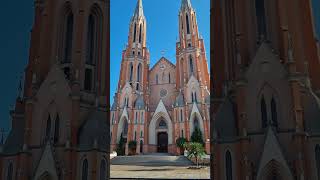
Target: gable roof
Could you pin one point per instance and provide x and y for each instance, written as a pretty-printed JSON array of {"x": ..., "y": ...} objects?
[
  {"x": 225, "y": 122},
  {"x": 273, "y": 151},
  {"x": 47, "y": 163},
  {"x": 161, "y": 60},
  {"x": 95, "y": 128}
]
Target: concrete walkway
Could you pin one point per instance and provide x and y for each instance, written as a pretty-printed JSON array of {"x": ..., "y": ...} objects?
[{"x": 156, "y": 166}]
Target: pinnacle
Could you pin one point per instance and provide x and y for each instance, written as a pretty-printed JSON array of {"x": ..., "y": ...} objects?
[{"x": 139, "y": 9}]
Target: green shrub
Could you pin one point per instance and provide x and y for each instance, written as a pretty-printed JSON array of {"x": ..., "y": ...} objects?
[
  {"x": 197, "y": 136},
  {"x": 195, "y": 150},
  {"x": 121, "y": 147},
  {"x": 181, "y": 141}
]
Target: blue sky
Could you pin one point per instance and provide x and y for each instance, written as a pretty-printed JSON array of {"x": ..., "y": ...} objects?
[
  {"x": 16, "y": 22},
  {"x": 316, "y": 12},
  {"x": 162, "y": 30}
]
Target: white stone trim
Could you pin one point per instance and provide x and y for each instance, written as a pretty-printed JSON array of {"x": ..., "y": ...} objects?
[
  {"x": 272, "y": 151},
  {"x": 195, "y": 112},
  {"x": 124, "y": 115},
  {"x": 161, "y": 111}
]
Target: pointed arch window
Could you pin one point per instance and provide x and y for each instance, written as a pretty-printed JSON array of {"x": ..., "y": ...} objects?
[
  {"x": 125, "y": 128},
  {"x": 181, "y": 115},
  {"x": 157, "y": 79},
  {"x": 48, "y": 128},
  {"x": 93, "y": 48},
  {"x": 187, "y": 21},
  {"x": 181, "y": 23},
  {"x": 126, "y": 102},
  {"x": 140, "y": 33},
  {"x": 274, "y": 113},
  {"x": 136, "y": 118},
  {"x": 162, "y": 124},
  {"x": 264, "y": 115},
  {"x": 141, "y": 133},
  {"x": 88, "y": 74},
  {"x": 196, "y": 122},
  {"x": 134, "y": 32},
  {"x": 103, "y": 170},
  {"x": 90, "y": 39},
  {"x": 261, "y": 18},
  {"x": 317, "y": 155},
  {"x": 191, "y": 64},
  {"x": 110, "y": 137},
  {"x": 142, "y": 118},
  {"x": 84, "y": 175},
  {"x": 68, "y": 38},
  {"x": 139, "y": 72},
  {"x": 131, "y": 72},
  {"x": 56, "y": 129},
  {"x": 112, "y": 119},
  {"x": 10, "y": 171},
  {"x": 88, "y": 78},
  {"x": 228, "y": 160}
]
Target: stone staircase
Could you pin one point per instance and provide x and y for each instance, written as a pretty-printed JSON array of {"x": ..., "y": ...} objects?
[{"x": 152, "y": 160}]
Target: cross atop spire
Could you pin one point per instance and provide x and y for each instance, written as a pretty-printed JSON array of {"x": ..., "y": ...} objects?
[
  {"x": 185, "y": 3},
  {"x": 139, "y": 9}
]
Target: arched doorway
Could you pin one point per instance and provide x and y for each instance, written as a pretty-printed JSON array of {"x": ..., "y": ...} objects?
[
  {"x": 197, "y": 123},
  {"x": 162, "y": 142},
  {"x": 273, "y": 170},
  {"x": 45, "y": 176},
  {"x": 162, "y": 136},
  {"x": 122, "y": 134}
]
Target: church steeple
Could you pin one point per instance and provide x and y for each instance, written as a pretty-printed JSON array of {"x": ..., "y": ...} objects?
[
  {"x": 188, "y": 27},
  {"x": 136, "y": 55},
  {"x": 184, "y": 4},
  {"x": 137, "y": 29},
  {"x": 189, "y": 62},
  {"x": 139, "y": 9}
]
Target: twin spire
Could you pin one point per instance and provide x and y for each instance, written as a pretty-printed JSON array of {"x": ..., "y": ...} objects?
[
  {"x": 185, "y": 3},
  {"x": 139, "y": 9}
]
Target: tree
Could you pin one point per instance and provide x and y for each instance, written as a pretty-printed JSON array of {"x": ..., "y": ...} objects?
[
  {"x": 181, "y": 143},
  {"x": 197, "y": 136},
  {"x": 195, "y": 150},
  {"x": 121, "y": 146}
]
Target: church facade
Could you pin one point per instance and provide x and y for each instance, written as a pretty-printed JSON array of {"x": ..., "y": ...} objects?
[
  {"x": 266, "y": 104},
  {"x": 154, "y": 106},
  {"x": 64, "y": 97}
]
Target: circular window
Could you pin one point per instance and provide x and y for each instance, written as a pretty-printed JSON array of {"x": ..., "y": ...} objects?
[{"x": 163, "y": 92}]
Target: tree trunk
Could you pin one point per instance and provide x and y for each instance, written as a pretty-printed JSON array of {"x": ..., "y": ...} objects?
[{"x": 197, "y": 162}]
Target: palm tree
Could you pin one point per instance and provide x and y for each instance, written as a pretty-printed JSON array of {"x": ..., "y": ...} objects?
[{"x": 195, "y": 150}]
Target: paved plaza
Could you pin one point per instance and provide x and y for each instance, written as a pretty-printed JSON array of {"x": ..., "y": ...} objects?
[{"x": 156, "y": 166}]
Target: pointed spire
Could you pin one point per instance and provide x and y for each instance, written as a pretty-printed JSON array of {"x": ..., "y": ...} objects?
[
  {"x": 139, "y": 9},
  {"x": 185, "y": 3}
]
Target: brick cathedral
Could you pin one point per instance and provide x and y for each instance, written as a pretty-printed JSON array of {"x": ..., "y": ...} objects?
[
  {"x": 54, "y": 133},
  {"x": 266, "y": 86},
  {"x": 156, "y": 105}
]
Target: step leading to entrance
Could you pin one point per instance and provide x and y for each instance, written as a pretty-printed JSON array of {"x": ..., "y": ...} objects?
[{"x": 161, "y": 159}]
